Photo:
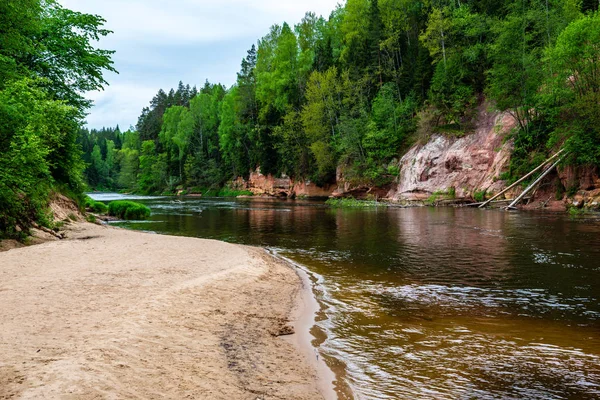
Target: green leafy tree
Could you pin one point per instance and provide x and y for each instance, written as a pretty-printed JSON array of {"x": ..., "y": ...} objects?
[
  {"x": 128, "y": 159},
  {"x": 517, "y": 72},
  {"x": 574, "y": 88},
  {"x": 321, "y": 118},
  {"x": 65, "y": 55},
  {"x": 390, "y": 125},
  {"x": 33, "y": 130},
  {"x": 97, "y": 167},
  {"x": 150, "y": 176}
]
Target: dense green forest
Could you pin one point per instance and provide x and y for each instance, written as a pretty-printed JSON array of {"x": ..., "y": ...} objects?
[
  {"x": 355, "y": 90},
  {"x": 47, "y": 62}
]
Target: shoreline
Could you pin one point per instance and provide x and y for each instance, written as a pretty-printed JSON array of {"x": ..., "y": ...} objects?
[
  {"x": 331, "y": 371},
  {"x": 85, "y": 317},
  {"x": 303, "y": 315}
]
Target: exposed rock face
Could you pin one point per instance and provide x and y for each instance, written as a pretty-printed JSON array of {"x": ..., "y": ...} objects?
[
  {"x": 582, "y": 177},
  {"x": 467, "y": 164},
  {"x": 268, "y": 184},
  {"x": 586, "y": 181},
  {"x": 260, "y": 184},
  {"x": 309, "y": 189}
]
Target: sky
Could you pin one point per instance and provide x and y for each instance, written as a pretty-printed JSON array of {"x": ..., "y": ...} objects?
[{"x": 158, "y": 43}]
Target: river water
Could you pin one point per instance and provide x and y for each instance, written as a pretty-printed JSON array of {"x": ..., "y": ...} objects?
[{"x": 430, "y": 303}]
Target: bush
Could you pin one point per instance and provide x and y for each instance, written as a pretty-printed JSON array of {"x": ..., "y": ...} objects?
[
  {"x": 126, "y": 209},
  {"x": 100, "y": 207},
  {"x": 95, "y": 206},
  {"x": 479, "y": 196}
]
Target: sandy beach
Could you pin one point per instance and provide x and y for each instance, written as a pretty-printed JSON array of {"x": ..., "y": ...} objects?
[{"x": 116, "y": 314}]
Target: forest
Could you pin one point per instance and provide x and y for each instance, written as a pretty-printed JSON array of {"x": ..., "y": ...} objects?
[
  {"x": 353, "y": 91},
  {"x": 47, "y": 63}
]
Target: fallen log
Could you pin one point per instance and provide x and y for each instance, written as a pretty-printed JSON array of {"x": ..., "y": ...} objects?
[
  {"x": 518, "y": 199},
  {"x": 521, "y": 180}
]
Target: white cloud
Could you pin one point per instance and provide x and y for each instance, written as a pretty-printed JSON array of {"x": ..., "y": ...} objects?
[
  {"x": 119, "y": 104},
  {"x": 195, "y": 20},
  {"x": 161, "y": 42}
]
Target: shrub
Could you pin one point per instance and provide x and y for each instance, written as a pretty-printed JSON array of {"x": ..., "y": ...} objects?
[
  {"x": 100, "y": 207},
  {"x": 393, "y": 170},
  {"x": 96, "y": 206},
  {"x": 479, "y": 196},
  {"x": 126, "y": 209}
]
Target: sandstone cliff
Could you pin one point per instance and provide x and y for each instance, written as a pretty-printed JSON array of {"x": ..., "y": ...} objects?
[{"x": 463, "y": 165}]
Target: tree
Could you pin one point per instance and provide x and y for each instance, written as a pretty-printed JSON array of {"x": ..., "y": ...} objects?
[
  {"x": 175, "y": 136},
  {"x": 128, "y": 158},
  {"x": 574, "y": 88},
  {"x": 232, "y": 140},
  {"x": 64, "y": 53},
  {"x": 390, "y": 125},
  {"x": 97, "y": 167},
  {"x": 19, "y": 23},
  {"x": 35, "y": 153},
  {"x": 109, "y": 162},
  {"x": 150, "y": 175},
  {"x": 321, "y": 120},
  {"x": 516, "y": 73},
  {"x": 276, "y": 70}
]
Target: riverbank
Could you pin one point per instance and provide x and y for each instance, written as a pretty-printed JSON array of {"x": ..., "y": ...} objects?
[{"x": 122, "y": 314}]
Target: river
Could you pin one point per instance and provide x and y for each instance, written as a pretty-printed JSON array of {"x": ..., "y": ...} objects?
[{"x": 429, "y": 303}]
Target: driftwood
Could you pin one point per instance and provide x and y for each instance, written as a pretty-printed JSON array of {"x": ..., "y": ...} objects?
[
  {"x": 49, "y": 231},
  {"x": 545, "y": 203},
  {"x": 518, "y": 199},
  {"x": 491, "y": 202},
  {"x": 485, "y": 203}
]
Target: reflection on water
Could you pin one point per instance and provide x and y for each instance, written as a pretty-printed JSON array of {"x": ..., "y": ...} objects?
[{"x": 432, "y": 303}]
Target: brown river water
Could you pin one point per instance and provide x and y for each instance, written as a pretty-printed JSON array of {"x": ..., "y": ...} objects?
[{"x": 430, "y": 303}]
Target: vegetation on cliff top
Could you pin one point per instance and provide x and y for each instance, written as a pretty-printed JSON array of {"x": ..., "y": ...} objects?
[
  {"x": 46, "y": 62},
  {"x": 356, "y": 89}
]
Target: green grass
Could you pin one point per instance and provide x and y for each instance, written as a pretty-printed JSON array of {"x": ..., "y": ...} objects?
[
  {"x": 225, "y": 192},
  {"x": 449, "y": 194},
  {"x": 126, "y": 209},
  {"x": 452, "y": 192},
  {"x": 350, "y": 202}
]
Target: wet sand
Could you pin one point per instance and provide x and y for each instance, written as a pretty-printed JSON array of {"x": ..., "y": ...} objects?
[{"x": 111, "y": 313}]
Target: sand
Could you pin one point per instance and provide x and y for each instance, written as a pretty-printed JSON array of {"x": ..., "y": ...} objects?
[{"x": 116, "y": 314}]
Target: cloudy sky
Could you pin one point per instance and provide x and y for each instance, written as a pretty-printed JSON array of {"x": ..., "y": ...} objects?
[{"x": 158, "y": 43}]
